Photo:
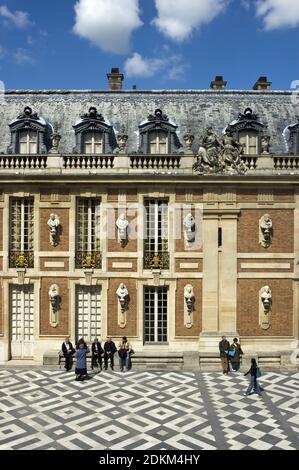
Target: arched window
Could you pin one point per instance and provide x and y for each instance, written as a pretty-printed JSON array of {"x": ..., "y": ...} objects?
[
  {"x": 157, "y": 135},
  {"x": 27, "y": 142},
  {"x": 93, "y": 142},
  {"x": 158, "y": 142},
  {"x": 94, "y": 135}
]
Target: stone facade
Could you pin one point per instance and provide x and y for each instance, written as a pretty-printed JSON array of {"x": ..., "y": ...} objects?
[{"x": 225, "y": 264}]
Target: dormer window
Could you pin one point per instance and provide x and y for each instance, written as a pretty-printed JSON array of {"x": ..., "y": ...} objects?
[
  {"x": 30, "y": 134},
  {"x": 158, "y": 142},
  {"x": 251, "y": 133},
  {"x": 158, "y": 135},
  {"x": 27, "y": 142},
  {"x": 93, "y": 143},
  {"x": 291, "y": 135},
  {"x": 249, "y": 140},
  {"x": 94, "y": 135}
]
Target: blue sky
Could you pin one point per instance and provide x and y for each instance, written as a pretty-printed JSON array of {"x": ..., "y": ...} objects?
[{"x": 156, "y": 43}]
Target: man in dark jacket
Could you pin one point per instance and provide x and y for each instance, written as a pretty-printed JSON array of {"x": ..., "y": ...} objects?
[
  {"x": 68, "y": 351},
  {"x": 109, "y": 351},
  {"x": 96, "y": 351},
  {"x": 223, "y": 349}
]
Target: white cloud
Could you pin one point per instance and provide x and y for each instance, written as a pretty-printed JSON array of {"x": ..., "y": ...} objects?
[
  {"x": 170, "y": 65},
  {"x": 138, "y": 66},
  {"x": 19, "y": 18},
  {"x": 178, "y": 18},
  {"x": 21, "y": 56},
  {"x": 108, "y": 24},
  {"x": 278, "y": 14}
]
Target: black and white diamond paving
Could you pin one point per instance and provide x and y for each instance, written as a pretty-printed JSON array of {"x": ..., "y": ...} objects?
[{"x": 48, "y": 409}]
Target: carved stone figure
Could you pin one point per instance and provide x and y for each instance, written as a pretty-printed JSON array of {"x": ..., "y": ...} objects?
[
  {"x": 54, "y": 297},
  {"x": 266, "y": 297},
  {"x": 122, "y": 293},
  {"x": 266, "y": 231},
  {"x": 265, "y": 144},
  {"x": 53, "y": 224},
  {"x": 231, "y": 153},
  {"x": 122, "y": 225},
  {"x": 189, "y": 297},
  {"x": 55, "y": 139},
  {"x": 219, "y": 156},
  {"x": 188, "y": 139},
  {"x": 122, "y": 138},
  {"x": 189, "y": 228}
]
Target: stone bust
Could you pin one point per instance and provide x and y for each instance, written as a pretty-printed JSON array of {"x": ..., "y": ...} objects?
[
  {"x": 266, "y": 230},
  {"x": 266, "y": 297},
  {"x": 122, "y": 293},
  {"x": 53, "y": 224},
  {"x": 189, "y": 227},
  {"x": 54, "y": 296},
  {"x": 189, "y": 297},
  {"x": 122, "y": 225}
]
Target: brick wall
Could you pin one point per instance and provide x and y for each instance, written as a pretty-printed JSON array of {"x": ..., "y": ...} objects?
[
  {"x": 53, "y": 195},
  {"x": 266, "y": 261},
  {"x": 180, "y": 329},
  {"x": 248, "y": 307},
  {"x": 112, "y": 310},
  {"x": 54, "y": 260},
  {"x": 63, "y": 215},
  {"x": 45, "y": 327},
  {"x": 122, "y": 260},
  {"x": 283, "y": 231},
  {"x": 197, "y": 261}
]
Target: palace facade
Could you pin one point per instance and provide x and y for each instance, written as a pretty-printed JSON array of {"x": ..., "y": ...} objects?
[{"x": 171, "y": 217}]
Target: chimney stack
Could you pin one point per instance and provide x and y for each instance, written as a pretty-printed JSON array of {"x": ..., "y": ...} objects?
[
  {"x": 115, "y": 79},
  {"x": 262, "y": 84},
  {"x": 218, "y": 83}
]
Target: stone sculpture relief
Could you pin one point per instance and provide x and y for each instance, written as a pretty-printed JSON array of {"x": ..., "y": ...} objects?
[
  {"x": 122, "y": 294},
  {"x": 219, "y": 155},
  {"x": 189, "y": 299},
  {"x": 54, "y": 299}
]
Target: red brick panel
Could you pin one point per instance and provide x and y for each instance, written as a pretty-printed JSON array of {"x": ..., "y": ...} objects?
[
  {"x": 63, "y": 215},
  {"x": 112, "y": 312},
  {"x": 283, "y": 231},
  {"x": 248, "y": 307},
  {"x": 63, "y": 315}
]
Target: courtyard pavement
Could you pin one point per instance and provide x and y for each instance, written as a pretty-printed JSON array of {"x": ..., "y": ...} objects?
[{"x": 146, "y": 410}]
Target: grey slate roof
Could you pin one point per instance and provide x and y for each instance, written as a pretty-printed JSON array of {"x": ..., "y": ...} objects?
[{"x": 186, "y": 108}]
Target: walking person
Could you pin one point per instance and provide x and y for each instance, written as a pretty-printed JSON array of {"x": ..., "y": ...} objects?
[
  {"x": 96, "y": 353},
  {"x": 235, "y": 359},
  {"x": 223, "y": 349},
  {"x": 254, "y": 371},
  {"x": 124, "y": 353},
  {"x": 81, "y": 353},
  {"x": 68, "y": 351},
  {"x": 109, "y": 351}
]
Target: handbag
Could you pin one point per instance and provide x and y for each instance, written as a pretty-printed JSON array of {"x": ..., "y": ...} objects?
[
  {"x": 258, "y": 373},
  {"x": 232, "y": 353}
]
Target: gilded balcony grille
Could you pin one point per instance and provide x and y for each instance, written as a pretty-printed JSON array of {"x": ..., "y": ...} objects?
[
  {"x": 88, "y": 260},
  {"x": 21, "y": 259},
  {"x": 159, "y": 260}
]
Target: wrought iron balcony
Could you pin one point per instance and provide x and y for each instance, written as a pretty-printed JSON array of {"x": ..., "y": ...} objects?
[
  {"x": 88, "y": 260},
  {"x": 156, "y": 260},
  {"x": 21, "y": 259}
]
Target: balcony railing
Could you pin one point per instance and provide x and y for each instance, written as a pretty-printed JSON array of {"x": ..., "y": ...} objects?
[
  {"x": 158, "y": 260},
  {"x": 155, "y": 162},
  {"x": 290, "y": 162},
  {"x": 88, "y": 162},
  {"x": 23, "y": 162},
  {"x": 250, "y": 161},
  {"x": 88, "y": 260},
  {"x": 21, "y": 259}
]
